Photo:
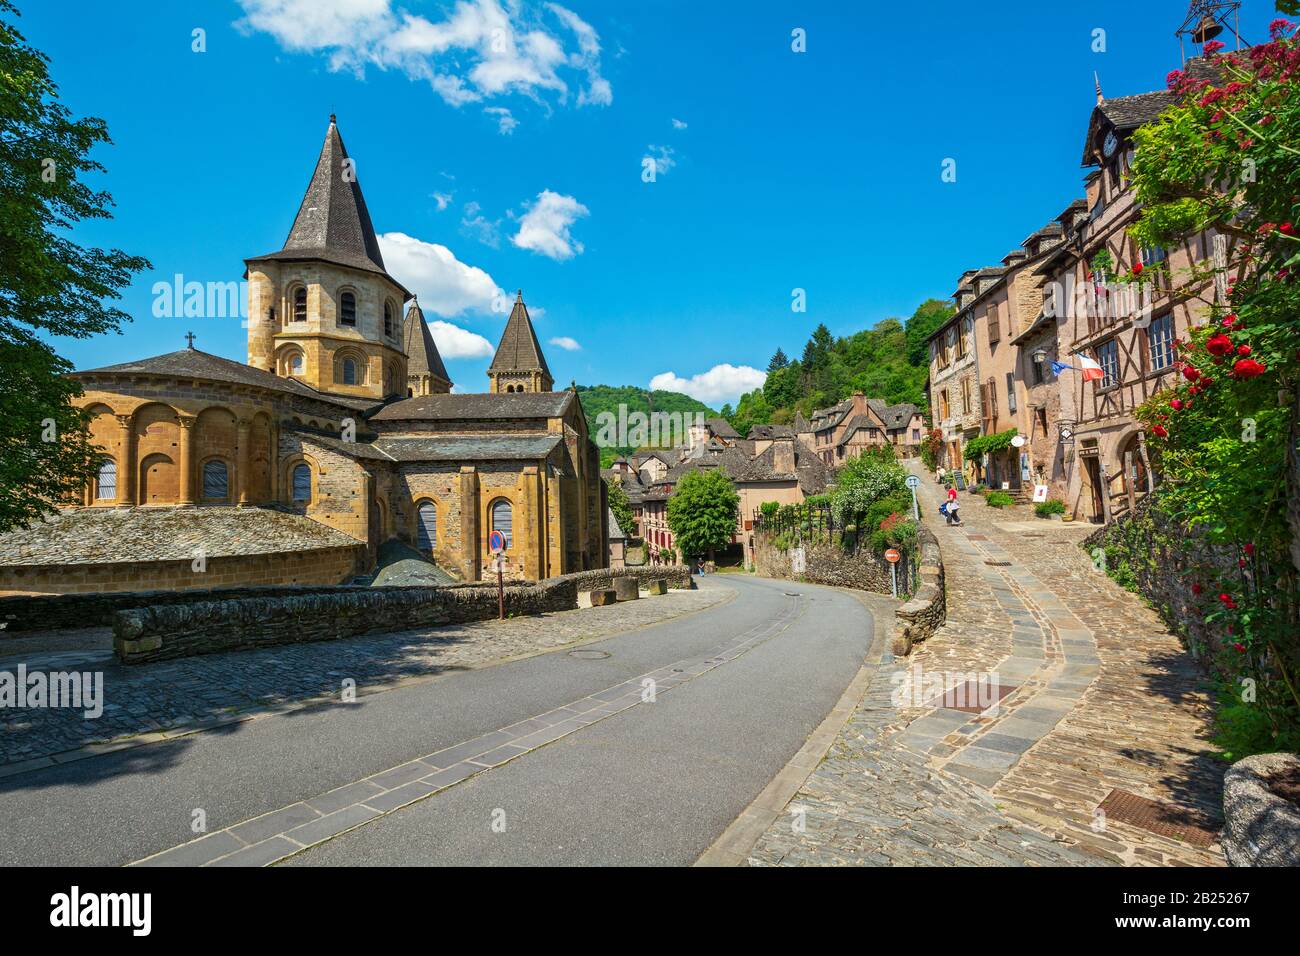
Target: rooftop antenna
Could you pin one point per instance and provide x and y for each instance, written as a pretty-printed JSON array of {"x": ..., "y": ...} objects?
[{"x": 1205, "y": 20}]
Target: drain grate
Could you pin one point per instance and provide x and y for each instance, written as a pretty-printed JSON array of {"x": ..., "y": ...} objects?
[
  {"x": 997, "y": 563},
  {"x": 969, "y": 697},
  {"x": 589, "y": 655},
  {"x": 1163, "y": 819},
  {"x": 977, "y": 537}
]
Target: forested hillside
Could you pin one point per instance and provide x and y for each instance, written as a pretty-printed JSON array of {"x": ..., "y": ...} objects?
[
  {"x": 607, "y": 398},
  {"x": 889, "y": 362}
]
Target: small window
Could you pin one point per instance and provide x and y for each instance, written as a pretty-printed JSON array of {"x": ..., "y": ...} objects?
[
  {"x": 302, "y": 483},
  {"x": 215, "y": 480},
  {"x": 503, "y": 519},
  {"x": 1160, "y": 335},
  {"x": 1011, "y": 393},
  {"x": 388, "y": 319},
  {"x": 348, "y": 308},
  {"x": 1108, "y": 359},
  {"x": 106, "y": 484},
  {"x": 295, "y": 364},
  {"x": 349, "y": 372},
  {"x": 300, "y": 305},
  {"x": 427, "y": 526}
]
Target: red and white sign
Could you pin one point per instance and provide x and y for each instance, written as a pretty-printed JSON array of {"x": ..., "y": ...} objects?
[{"x": 892, "y": 556}]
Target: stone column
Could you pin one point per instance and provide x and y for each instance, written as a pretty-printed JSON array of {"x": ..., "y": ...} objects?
[
  {"x": 126, "y": 461},
  {"x": 532, "y": 548},
  {"x": 242, "y": 439},
  {"x": 469, "y": 524},
  {"x": 185, "y": 466}
]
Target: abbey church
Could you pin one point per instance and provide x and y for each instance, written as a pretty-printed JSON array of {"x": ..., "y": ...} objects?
[{"x": 339, "y": 434}]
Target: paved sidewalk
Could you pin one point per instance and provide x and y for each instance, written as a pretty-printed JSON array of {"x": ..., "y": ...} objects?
[
  {"x": 144, "y": 703},
  {"x": 1092, "y": 696}
]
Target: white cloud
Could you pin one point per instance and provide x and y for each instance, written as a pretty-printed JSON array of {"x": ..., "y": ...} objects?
[
  {"x": 456, "y": 343},
  {"x": 442, "y": 199},
  {"x": 446, "y": 286},
  {"x": 566, "y": 343},
  {"x": 720, "y": 383},
  {"x": 481, "y": 49},
  {"x": 544, "y": 228},
  {"x": 478, "y": 226},
  {"x": 678, "y": 124},
  {"x": 506, "y": 122},
  {"x": 661, "y": 156}
]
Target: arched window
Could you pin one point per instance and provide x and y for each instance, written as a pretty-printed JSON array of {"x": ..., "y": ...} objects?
[
  {"x": 388, "y": 319},
  {"x": 426, "y": 537},
  {"x": 300, "y": 304},
  {"x": 348, "y": 308},
  {"x": 349, "y": 372},
  {"x": 295, "y": 364},
  {"x": 215, "y": 480},
  {"x": 502, "y": 519},
  {"x": 106, "y": 484},
  {"x": 302, "y": 483}
]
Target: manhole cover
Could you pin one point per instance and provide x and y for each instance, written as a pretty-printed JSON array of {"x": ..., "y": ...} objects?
[
  {"x": 1165, "y": 819},
  {"x": 791, "y": 594},
  {"x": 589, "y": 655},
  {"x": 972, "y": 697}
]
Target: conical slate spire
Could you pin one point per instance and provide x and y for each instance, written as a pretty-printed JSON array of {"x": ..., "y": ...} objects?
[
  {"x": 333, "y": 224},
  {"x": 519, "y": 350},
  {"x": 422, "y": 357}
]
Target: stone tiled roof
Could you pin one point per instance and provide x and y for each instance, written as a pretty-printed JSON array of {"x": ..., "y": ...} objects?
[
  {"x": 743, "y": 466},
  {"x": 470, "y": 447},
  {"x": 800, "y": 423},
  {"x": 422, "y": 356},
  {"x": 894, "y": 416},
  {"x": 759, "y": 432},
  {"x": 721, "y": 427},
  {"x": 824, "y": 418},
  {"x": 631, "y": 484},
  {"x": 478, "y": 405},
  {"x": 518, "y": 349},
  {"x": 614, "y": 530},
  {"x": 192, "y": 363},
  {"x": 110, "y": 535},
  {"x": 1127, "y": 113},
  {"x": 333, "y": 223}
]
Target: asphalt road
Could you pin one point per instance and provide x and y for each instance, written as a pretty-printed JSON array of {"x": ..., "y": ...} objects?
[{"x": 655, "y": 784}]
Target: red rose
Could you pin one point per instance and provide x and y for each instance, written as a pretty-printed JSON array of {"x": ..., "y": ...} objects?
[
  {"x": 1229, "y": 321},
  {"x": 1160, "y": 430},
  {"x": 1287, "y": 229},
  {"x": 1176, "y": 404},
  {"x": 1240, "y": 647},
  {"x": 1219, "y": 344},
  {"x": 1243, "y": 350},
  {"x": 1191, "y": 373},
  {"x": 1197, "y": 589},
  {"x": 1250, "y": 549},
  {"x": 1137, "y": 268},
  {"x": 1247, "y": 368},
  {"x": 1241, "y": 562}
]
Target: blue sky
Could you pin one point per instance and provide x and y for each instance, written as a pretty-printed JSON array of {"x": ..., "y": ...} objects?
[{"x": 500, "y": 145}]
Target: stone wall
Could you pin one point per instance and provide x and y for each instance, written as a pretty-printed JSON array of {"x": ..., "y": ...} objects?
[
  {"x": 164, "y": 632},
  {"x": 825, "y": 563},
  {"x": 925, "y": 613},
  {"x": 1160, "y": 559},
  {"x": 101, "y": 581},
  {"x": 677, "y": 575}
]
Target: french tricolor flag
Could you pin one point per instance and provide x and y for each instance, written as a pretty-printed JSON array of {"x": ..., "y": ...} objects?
[{"x": 1089, "y": 369}]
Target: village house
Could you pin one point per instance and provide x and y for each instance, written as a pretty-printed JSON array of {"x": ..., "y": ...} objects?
[
  {"x": 954, "y": 372},
  {"x": 846, "y": 429}
]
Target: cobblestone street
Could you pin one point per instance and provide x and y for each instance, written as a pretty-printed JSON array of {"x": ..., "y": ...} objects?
[
  {"x": 144, "y": 703},
  {"x": 1098, "y": 697}
]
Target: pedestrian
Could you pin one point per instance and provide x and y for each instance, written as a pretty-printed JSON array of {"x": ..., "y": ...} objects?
[
  {"x": 954, "y": 506},
  {"x": 938, "y": 475}
]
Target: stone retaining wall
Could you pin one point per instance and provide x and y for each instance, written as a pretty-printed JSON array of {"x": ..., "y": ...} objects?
[
  {"x": 925, "y": 613},
  {"x": 162, "y": 632},
  {"x": 677, "y": 575},
  {"x": 825, "y": 563}
]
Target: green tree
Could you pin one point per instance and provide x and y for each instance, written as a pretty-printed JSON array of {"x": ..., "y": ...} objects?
[
  {"x": 779, "y": 361},
  {"x": 927, "y": 318},
  {"x": 48, "y": 283},
  {"x": 702, "y": 512},
  {"x": 622, "y": 508}
]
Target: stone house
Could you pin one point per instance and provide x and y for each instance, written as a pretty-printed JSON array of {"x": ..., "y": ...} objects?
[
  {"x": 847, "y": 428},
  {"x": 954, "y": 371}
]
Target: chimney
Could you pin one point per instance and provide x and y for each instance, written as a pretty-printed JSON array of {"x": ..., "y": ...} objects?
[{"x": 783, "y": 455}]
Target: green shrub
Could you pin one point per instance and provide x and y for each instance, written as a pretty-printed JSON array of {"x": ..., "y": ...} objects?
[
  {"x": 999, "y": 499},
  {"x": 1245, "y": 729},
  {"x": 1053, "y": 506}
]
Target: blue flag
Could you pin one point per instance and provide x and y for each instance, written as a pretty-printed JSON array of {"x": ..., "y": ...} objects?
[{"x": 1059, "y": 367}]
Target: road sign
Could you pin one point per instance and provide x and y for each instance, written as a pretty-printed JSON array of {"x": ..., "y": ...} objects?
[
  {"x": 496, "y": 542},
  {"x": 892, "y": 556},
  {"x": 913, "y": 481}
]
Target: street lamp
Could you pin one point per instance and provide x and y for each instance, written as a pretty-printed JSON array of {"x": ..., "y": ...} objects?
[{"x": 1040, "y": 356}]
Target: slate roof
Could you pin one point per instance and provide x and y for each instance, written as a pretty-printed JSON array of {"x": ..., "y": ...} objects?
[
  {"x": 743, "y": 466},
  {"x": 894, "y": 416},
  {"x": 477, "y": 405},
  {"x": 800, "y": 423},
  {"x": 824, "y": 418},
  {"x": 518, "y": 349},
  {"x": 614, "y": 530},
  {"x": 192, "y": 363},
  {"x": 758, "y": 432},
  {"x": 1127, "y": 113},
  {"x": 721, "y": 427},
  {"x": 333, "y": 223},
  {"x": 422, "y": 356},
  {"x": 527, "y": 447},
  {"x": 109, "y": 535}
]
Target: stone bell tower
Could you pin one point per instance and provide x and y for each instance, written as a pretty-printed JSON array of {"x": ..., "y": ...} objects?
[{"x": 519, "y": 365}]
